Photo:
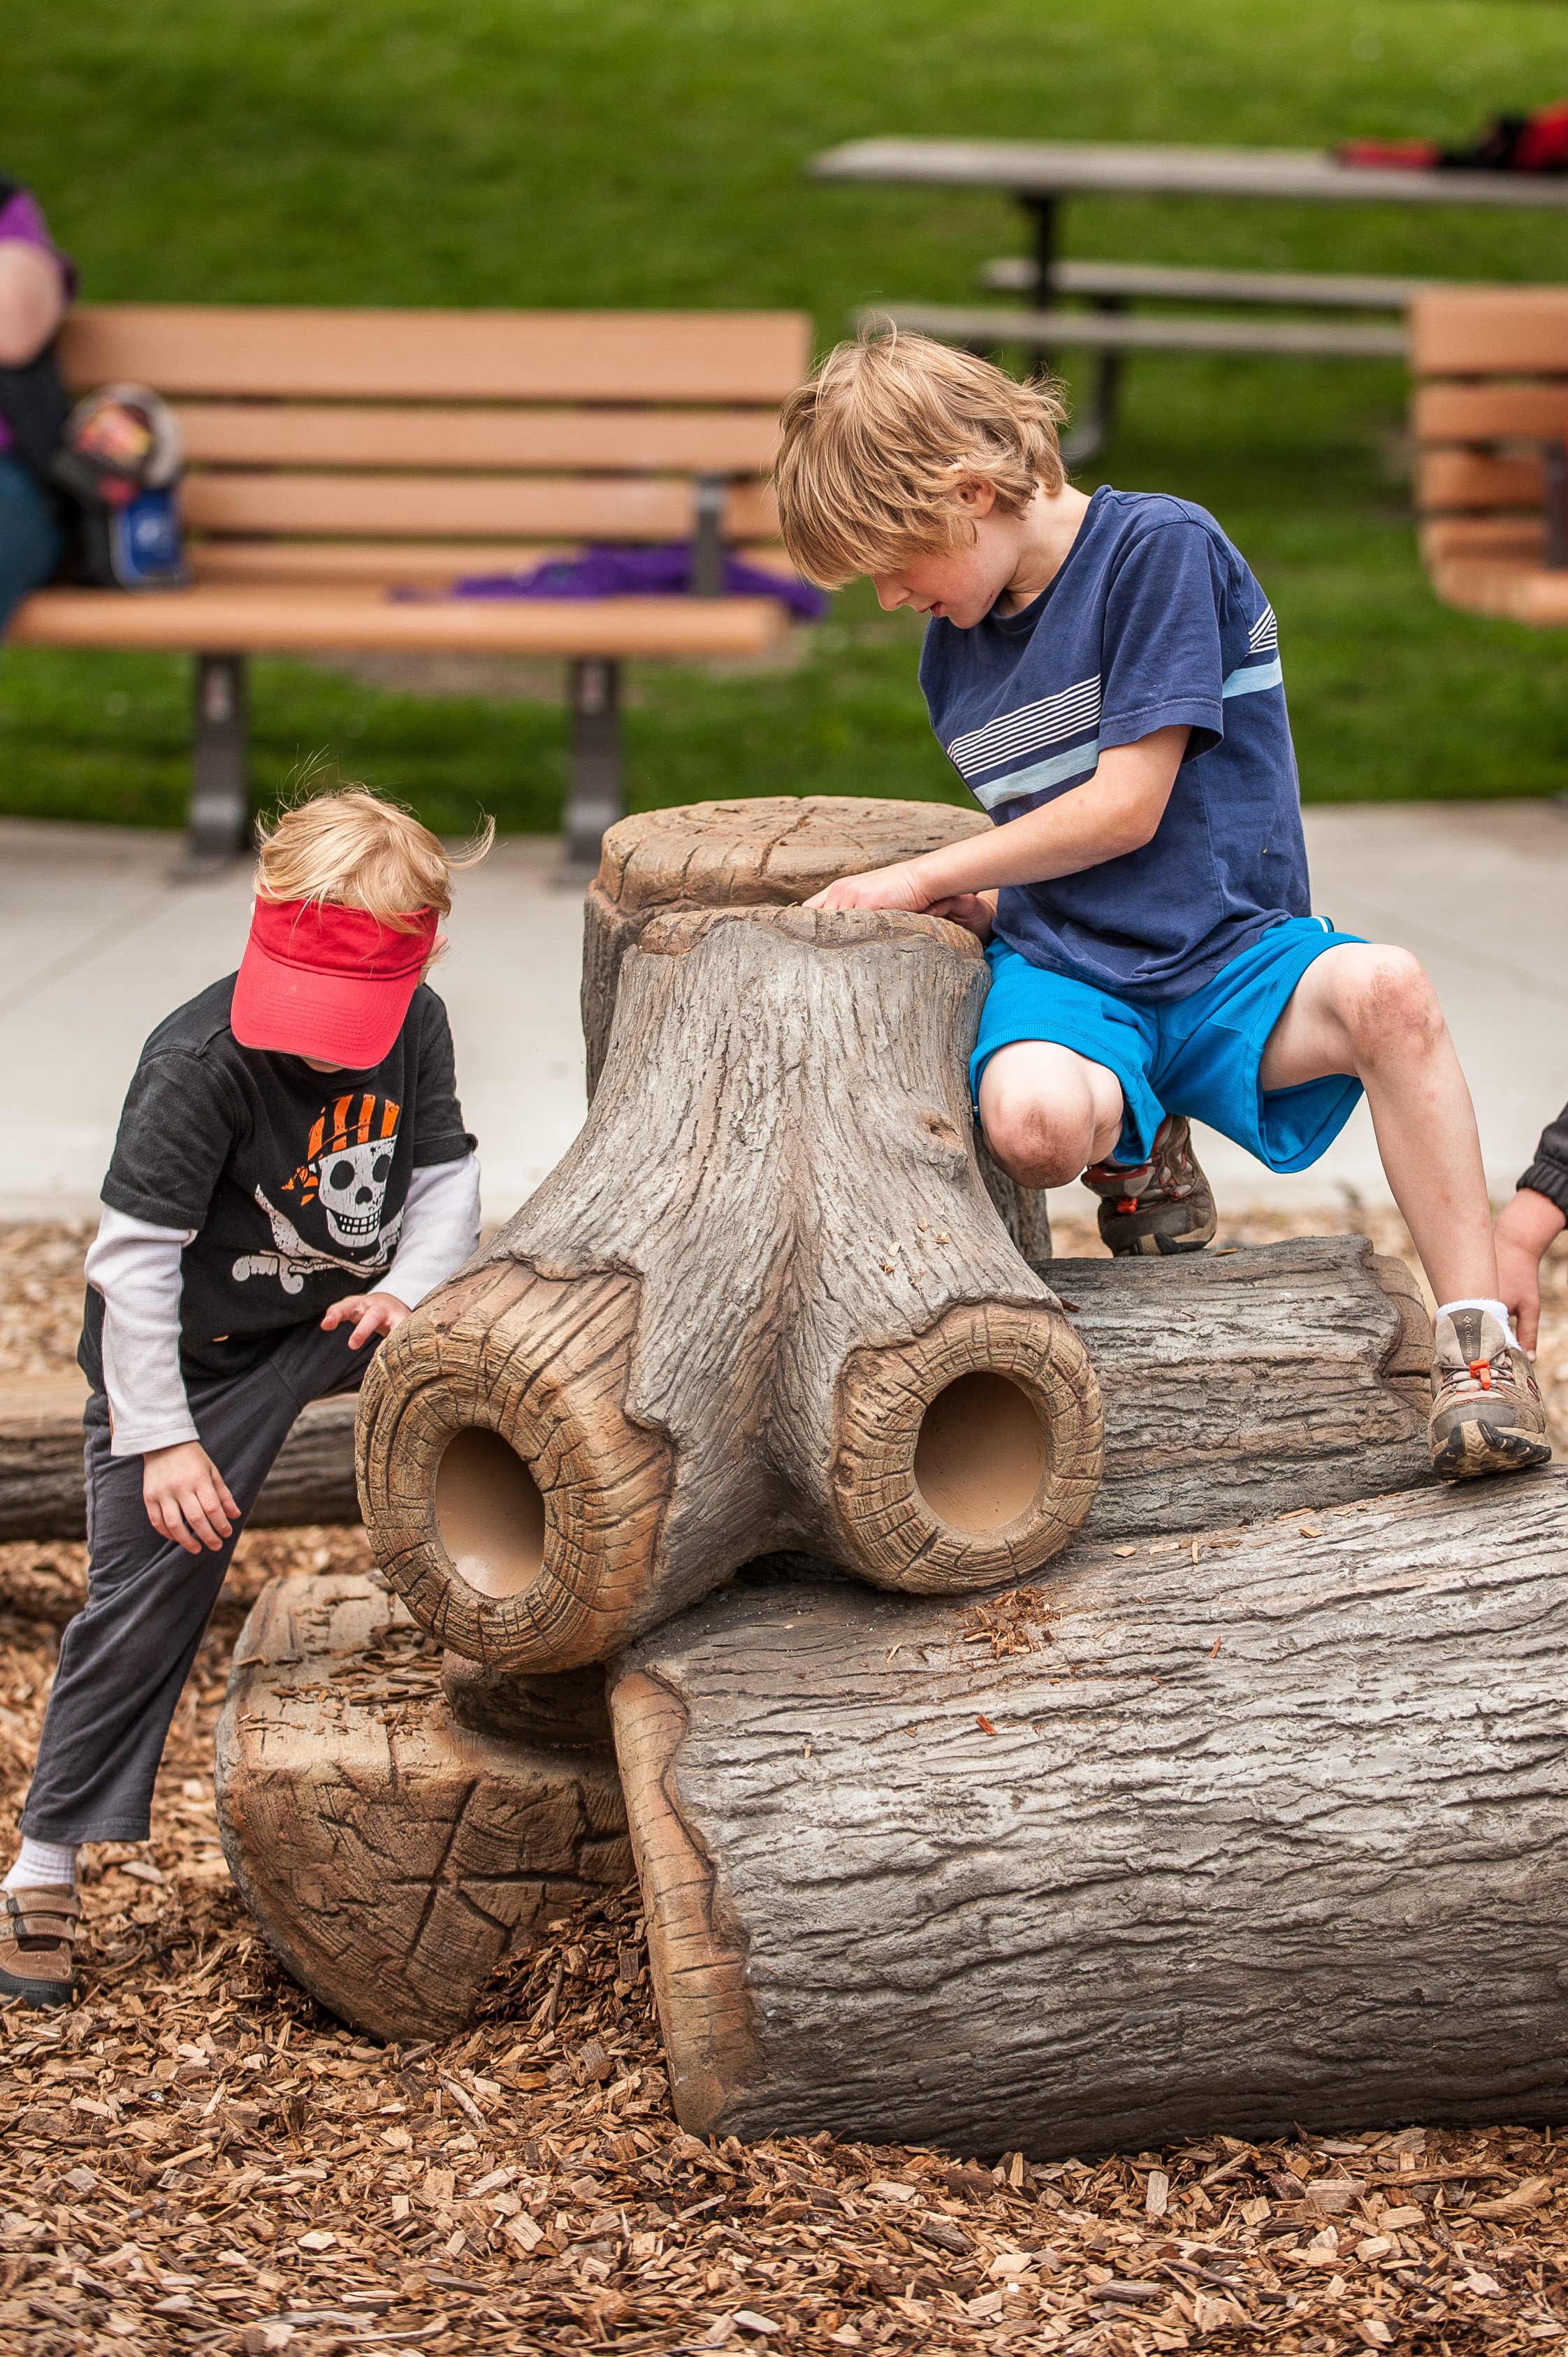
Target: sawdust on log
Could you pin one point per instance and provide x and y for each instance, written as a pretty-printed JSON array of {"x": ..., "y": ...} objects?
[{"x": 198, "y": 2157}]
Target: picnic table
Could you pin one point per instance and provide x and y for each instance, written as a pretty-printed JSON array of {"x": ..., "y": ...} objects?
[{"x": 1043, "y": 174}]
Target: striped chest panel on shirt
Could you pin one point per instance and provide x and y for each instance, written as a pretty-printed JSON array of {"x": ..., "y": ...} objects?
[{"x": 1054, "y": 741}]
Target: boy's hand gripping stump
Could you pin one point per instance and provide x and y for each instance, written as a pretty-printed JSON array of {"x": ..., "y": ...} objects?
[{"x": 764, "y": 1303}]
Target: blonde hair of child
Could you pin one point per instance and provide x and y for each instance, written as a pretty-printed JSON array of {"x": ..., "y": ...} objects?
[
  {"x": 873, "y": 443},
  {"x": 358, "y": 851}
]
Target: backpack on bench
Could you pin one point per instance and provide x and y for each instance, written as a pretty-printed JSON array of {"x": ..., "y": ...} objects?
[{"x": 119, "y": 460}]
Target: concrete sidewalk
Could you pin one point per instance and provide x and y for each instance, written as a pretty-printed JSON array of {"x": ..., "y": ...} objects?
[{"x": 96, "y": 946}]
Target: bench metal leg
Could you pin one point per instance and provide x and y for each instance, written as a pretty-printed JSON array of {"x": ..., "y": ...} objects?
[
  {"x": 595, "y": 788},
  {"x": 707, "y": 537},
  {"x": 219, "y": 824},
  {"x": 1554, "y": 477}
]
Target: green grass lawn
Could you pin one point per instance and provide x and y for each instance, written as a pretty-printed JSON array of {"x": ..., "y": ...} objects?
[{"x": 395, "y": 151}]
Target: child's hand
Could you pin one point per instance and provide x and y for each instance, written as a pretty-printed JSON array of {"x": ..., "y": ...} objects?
[
  {"x": 975, "y": 911},
  {"x": 186, "y": 1498},
  {"x": 373, "y": 1313},
  {"x": 1526, "y": 1226},
  {"x": 881, "y": 887}
]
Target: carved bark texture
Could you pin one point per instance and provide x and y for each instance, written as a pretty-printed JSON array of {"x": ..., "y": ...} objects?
[
  {"x": 775, "y": 850},
  {"x": 1240, "y": 1383},
  {"x": 764, "y": 1302},
  {"x": 42, "y": 1494},
  {"x": 391, "y": 1855},
  {"x": 1275, "y": 1834}
]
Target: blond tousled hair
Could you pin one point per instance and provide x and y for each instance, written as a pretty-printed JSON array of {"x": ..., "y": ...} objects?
[
  {"x": 874, "y": 442},
  {"x": 358, "y": 851}
]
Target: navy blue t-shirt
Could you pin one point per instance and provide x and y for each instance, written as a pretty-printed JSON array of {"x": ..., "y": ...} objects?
[{"x": 1154, "y": 620}]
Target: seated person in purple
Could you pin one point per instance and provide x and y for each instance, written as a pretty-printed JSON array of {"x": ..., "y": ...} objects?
[{"x": 36, "y": 283}]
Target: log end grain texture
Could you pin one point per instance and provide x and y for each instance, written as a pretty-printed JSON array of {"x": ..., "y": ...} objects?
[
  {"x": 764, "y": 1302},
  {"x": 1212, "y": 1836},
  {"x": 391, "y": 1855}
]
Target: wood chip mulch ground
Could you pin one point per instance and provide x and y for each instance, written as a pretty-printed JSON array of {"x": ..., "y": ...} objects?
[{"x": 196, "y": 2156}]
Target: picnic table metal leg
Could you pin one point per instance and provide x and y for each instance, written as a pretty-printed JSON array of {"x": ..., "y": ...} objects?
[
  {"x": 1042, "y": 216},
  {"x": 595, "y": 788},
  {"x": 219, "y": 818},
  {"x": 1095, "y": 431}
]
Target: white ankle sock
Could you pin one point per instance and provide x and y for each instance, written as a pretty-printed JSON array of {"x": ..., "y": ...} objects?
[
  {"x": 41, "y": 1865},
  {"x": 1495, "y": 1307}
]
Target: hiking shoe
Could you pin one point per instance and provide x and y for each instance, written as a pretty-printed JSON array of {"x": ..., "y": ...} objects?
[
  {"x": 1487, "y": 1415},
  {"x": 1163, "y": 1205},
  {"x": 37, "y": 1927}
]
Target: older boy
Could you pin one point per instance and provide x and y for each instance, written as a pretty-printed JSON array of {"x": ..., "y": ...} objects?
[
  {"x": 1104, "y": 674},
  {"x": 290, "y": 1179}
]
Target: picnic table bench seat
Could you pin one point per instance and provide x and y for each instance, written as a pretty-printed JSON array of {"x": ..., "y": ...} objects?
[
  {"x": 336, "y": 457},
  {"x": 1488, "y": 416}
]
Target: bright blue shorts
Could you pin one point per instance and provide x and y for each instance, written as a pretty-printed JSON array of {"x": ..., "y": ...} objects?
[{"x": 1197, "y": 1055}]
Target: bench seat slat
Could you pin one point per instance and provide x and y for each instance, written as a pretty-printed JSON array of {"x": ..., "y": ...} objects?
[
  {"x": 468, "y": 356},
  {"x": 543, "y": 507},
  {"x": 265, "y": 620},
  {"x": 387, "y": 563},
  {"x": 1515, "y": 592},
  {"x": 607, "y": 441}
]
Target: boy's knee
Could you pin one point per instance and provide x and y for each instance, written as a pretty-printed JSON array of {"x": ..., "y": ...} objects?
[
  {"x": 1039, "y": 1144},
  {"x": 1386, "y": 1001}
]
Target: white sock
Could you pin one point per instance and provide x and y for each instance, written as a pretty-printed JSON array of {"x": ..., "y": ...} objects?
[
  {"x": 1496, "y": 1309},
  {"x": 41, "y": 1865}
]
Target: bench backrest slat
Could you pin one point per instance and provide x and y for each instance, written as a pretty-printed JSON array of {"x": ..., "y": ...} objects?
[
  {"x": 469, "y": 356},
  {"x": 584, "y": 507},
  {"x": 595, "y": 440}
]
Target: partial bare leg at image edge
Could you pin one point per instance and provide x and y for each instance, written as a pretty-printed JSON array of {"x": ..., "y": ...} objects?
[{"x": 1372, "y": 1012}]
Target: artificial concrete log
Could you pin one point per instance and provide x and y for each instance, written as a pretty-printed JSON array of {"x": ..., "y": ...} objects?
[
  {"x": 1266, "y": 1830},
  {"x": 1238, "y": 1383},
  {"x": 393, "y": 1855},
  {"x": 764, "y": 1302},
  {"x": 43, "y": 1495},
  {"x": 771, "y": 851}
]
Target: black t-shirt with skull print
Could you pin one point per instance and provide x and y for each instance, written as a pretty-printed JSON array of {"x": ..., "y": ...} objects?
[{"x": 293, "y": 1180}]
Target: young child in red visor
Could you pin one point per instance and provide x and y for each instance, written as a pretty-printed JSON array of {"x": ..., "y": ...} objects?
[{"x": 291, "y": 1176}]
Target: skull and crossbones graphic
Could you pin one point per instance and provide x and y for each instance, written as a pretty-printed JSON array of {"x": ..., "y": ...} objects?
[{"x": 348, "y": 1161}]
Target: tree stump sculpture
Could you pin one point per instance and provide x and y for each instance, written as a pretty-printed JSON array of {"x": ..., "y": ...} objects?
[
  {"x": 1266, "y": 1829},
  {"x": 764, "y": 1302},
  {"x": 773, "y": 851},
  {"x": 396, "y": 1841}
]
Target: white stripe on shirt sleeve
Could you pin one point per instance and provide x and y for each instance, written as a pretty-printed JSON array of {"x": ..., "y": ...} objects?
[
  {"x": 135, "y": 1266},
  {"x": 440, "y": 1229}
]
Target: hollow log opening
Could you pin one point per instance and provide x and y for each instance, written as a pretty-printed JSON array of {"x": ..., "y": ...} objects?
[
  {"x": 982, "y": 1453},
  {"x": 491, "y": 1513}
]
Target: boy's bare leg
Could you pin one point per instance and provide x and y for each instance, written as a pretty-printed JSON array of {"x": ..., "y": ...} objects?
[
  {"x": 1047, "y": 1112},
  {"x": 1372, "y": 1012}
]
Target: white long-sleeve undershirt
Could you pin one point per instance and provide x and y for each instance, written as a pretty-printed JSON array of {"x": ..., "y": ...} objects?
[{"x": 137, "y": 1268}]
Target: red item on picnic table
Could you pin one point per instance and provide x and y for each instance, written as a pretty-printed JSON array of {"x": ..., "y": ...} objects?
[{"x": 1511, "y": 143}]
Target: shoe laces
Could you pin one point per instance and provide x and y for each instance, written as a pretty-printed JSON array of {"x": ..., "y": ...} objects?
[{"x": 1477, "y": 1376}]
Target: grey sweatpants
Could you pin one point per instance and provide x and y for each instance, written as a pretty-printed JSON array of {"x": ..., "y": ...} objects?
[{"x": 125, "y": 1657}]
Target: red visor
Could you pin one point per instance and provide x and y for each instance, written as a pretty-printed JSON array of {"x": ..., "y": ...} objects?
[{"x": 333, "y": 983}]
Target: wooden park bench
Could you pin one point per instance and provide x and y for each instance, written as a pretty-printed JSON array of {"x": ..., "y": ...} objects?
[
  {"x": 1489, "y": 415},
  {"x": 337, "y": 456}
]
